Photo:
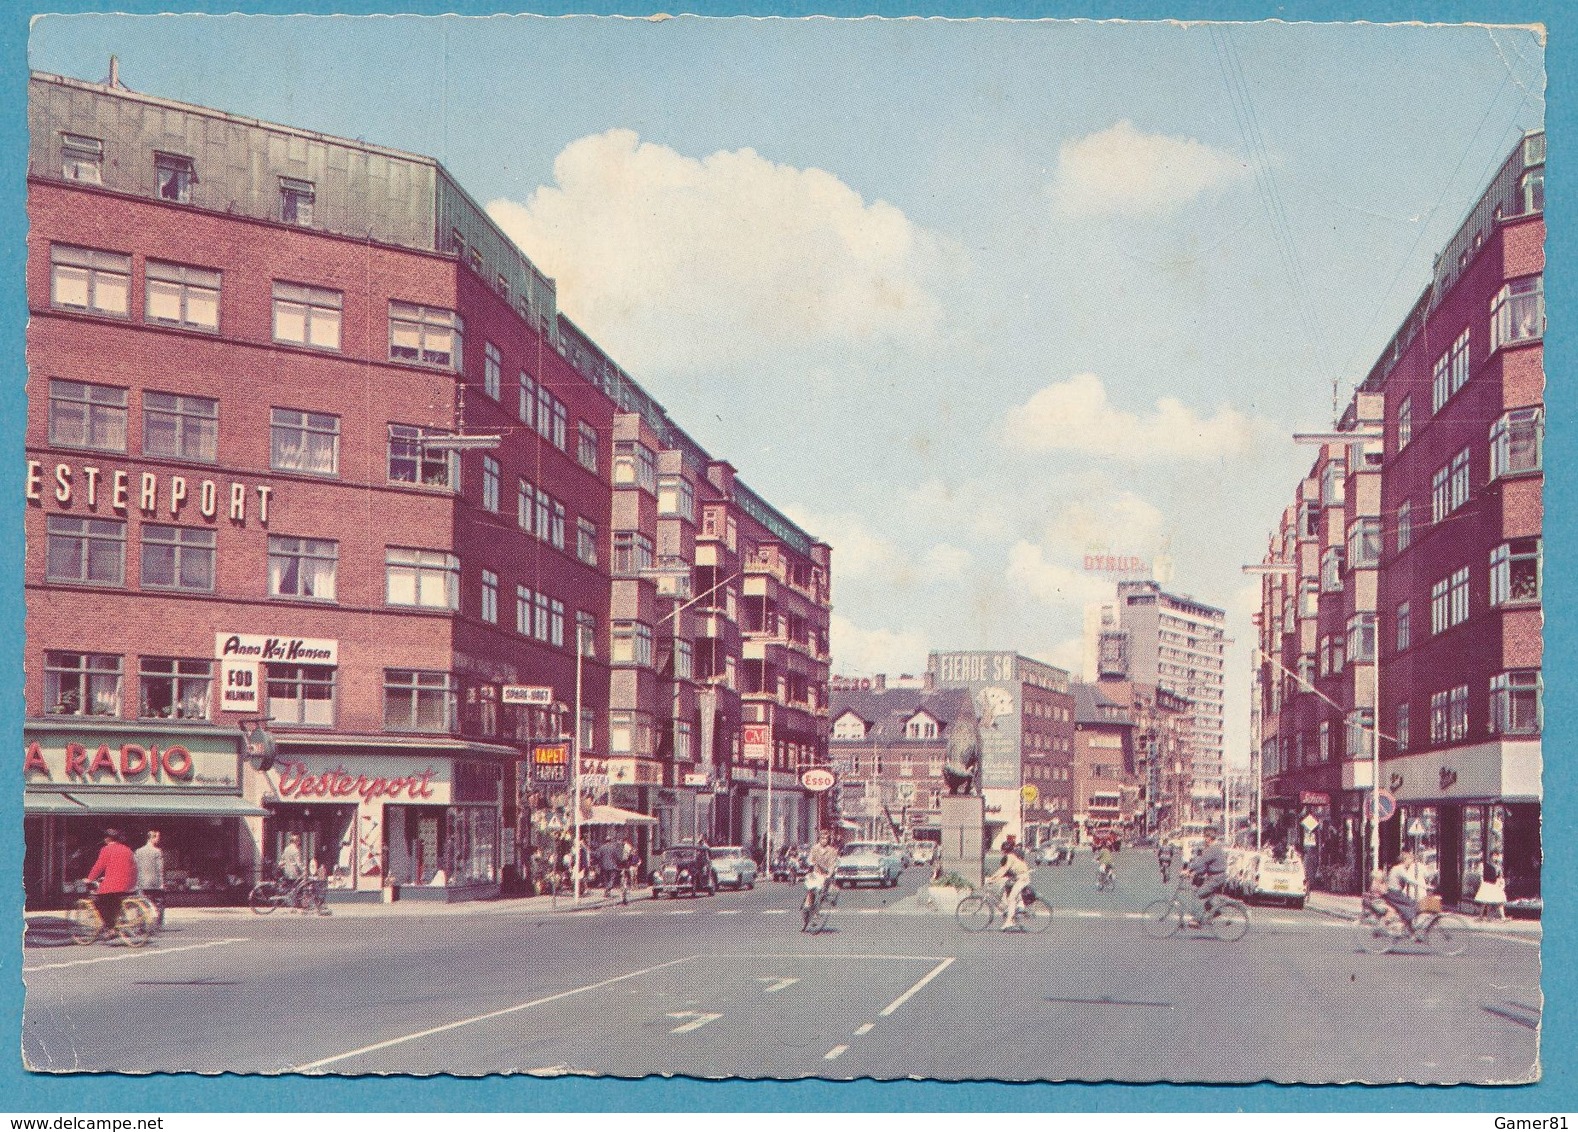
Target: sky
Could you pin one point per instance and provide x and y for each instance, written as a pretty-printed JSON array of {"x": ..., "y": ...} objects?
[{"x": 968, "y": 300}]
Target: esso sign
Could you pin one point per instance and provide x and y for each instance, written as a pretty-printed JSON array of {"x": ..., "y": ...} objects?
[{"x": 817, "y": 779}]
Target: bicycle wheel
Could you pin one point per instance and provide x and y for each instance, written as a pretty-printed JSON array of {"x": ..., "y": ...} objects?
[
  {"x": 1448, "y": 935},
  {"x": 84, "y": 923},
  {"x": 1035, "y": 917},
  {"x": 145, "y": 908},
  {"x": 133, "y": 928},
  {"x": 264, "y": 898},
  {"x": 808, "y": 909},
  {"x": 1230, "y": 921},
  {"x": 974, "y": 913},
  {"x": 1373, "y": 937},
  {"x": 1163, "y": 918},
  {"x": 818, "y": 919}
]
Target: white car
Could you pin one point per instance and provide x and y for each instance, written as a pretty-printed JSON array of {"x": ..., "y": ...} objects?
[
  {"x": 733, "y": 866},
  {"x": 923, "y": 852},
  {"x": 868, "y": 862}
]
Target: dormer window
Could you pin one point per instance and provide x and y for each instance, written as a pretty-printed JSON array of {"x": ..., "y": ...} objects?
[
  {"x": 920, "y": 726},
  {"x": 849, "y": 726},
  {"x": 295, "y": 201},
  {"x": 174, "y": 177},
  {"x": 82, "y": 159}
]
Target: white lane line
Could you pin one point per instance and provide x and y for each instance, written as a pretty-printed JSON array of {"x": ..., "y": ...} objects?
[
  {"x": 907, "y": 995},
  {"x": 870, "y": 911},
  {"x": 775, "y": 911},
  {"x": 682, "y": 911},
  {"x": 311, "y": 1065},
  {"x": 836, "y": 1051},
  {"x": 730, "y": 912},
  {"x": 700, "y": 1020},
  {"x": 1088, "y": 915},
  {"x": 132, "y": 954},
  {"x": 778, "y": 983},
  {"x": 862, "y": 1031},
  {"x": 826, "y": 955}
]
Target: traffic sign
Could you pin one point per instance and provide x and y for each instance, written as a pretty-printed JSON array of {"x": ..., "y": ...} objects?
[
  {"x": 692, "y": 779},
  {"x": 817, "y": 779},
  {"x": 1385, "y": 805},
  {"x": 1416, "y": 828},
  {"x": 1030, "y": 792},
  {"x": 1310, "y": 822}
]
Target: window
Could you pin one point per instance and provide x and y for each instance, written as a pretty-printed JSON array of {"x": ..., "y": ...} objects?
[
  {"x": 87, "y": 416},
  {"x": 525, "y": 505},
  {"x": 586, "y": 632},
  {"x": 1459, "y": 596},
  {"x": 89, "y": 280},
  {"x": 429, "y": 335},
  {"x": 622, "y": 736},
  {"x": 684, "y": 660},
  {"x": 1516, "y": 703},
  {"x": 1405, "y": 422},
  {"x": 586, "y": 541},
  {"x": 561, "y": 424},
  {"x": 1331, "y": 570},
  {"x": 490, "y": 597},
  {"x": 490, "y": 483},
  {"x": 676, "y": 496},
  {"x": 1515, "y": 442},
  {"x": 300, "y": 441},
  {"x": 82, "y": 159},
  {"x": 1449, "y": 487},
  {"x": 303, "y": 567},
  {"x": 557, "y": 526},
  {"x": 586, "y": 446},
  {"x": 632, "y": 553},
  {"x": 426, "y": 578},
  {"x": 632, "y": 643},
  {"x": 1361, "y": 638},
  {"x": 492, "y": 368},
  {"x": 635, "y": 464},
  {"x": 182, "y": 296},
  {"x": 1402, "y": 727},
  {"x": 85, "y": 551},
  {"x": 1323, "y": 744},
  {"x": 1360, "y": 728},
  {"x": 1532, "y": 190},
  {"x": 174, "y": 689},
  {"x": 307, "y": 316},
  {"x": 1364, "y": 543},
  {"x": 1439, "y": 611},
  {"x": 1309, "y": 597},
  {"x": 544, "y": 522},
  {"x": 174, "y": 177},
  {"x": 1331, "y": 484},
  {"x": 1404, "y": 626},
  {"x": 1451, "y": 372},
  {"x": 1517, "y": 313},
  {"x": 418, "y": 701},
  {"x": 295, "y": 201},
  {"x": 683, "y": 747},
  {"x": 82, "y": 683},
  {"x": 1405, "y": 525},
  {"x": 300, "y": 693},
  {"x": 540, "y": 621},
  {"x": 1457, "y": 712},
  {"x": 1515, "y": 572},
  {"x": 178, "y": 558},
  {"x": 921, "y": 727},
  {"x": 527, "y": 410},
  {"x": 523, "y": 606},
  {"x": 411, "y": 461},
  {"x": 1438, "y": 718},
  {"x": 556, "y": 624},
  {"x": 180, "y": 427}
]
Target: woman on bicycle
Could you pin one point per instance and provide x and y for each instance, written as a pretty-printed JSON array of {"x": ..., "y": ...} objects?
[{"x": 1015, "y": 874}]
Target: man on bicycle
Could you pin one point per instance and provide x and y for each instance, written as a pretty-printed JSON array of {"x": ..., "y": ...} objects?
[
  {"x": 116, "y": 872},
  {"x": 1015, "y": 875},
  {"x": 1208, "y": 870},
  {"x": 1104, "y": 866},
  {"x": 1402, "y": 888},
  {"x": 1164, "y": 858}
]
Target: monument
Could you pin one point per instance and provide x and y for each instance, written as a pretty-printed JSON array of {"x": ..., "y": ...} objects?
[{"x": 963, "y": 816}]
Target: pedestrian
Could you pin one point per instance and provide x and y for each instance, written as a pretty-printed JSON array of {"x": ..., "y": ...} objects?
[
  {"x": 608, "y": 865},
  {"x": 629, "y": 867},
  {"x": 116, "y": 871},
  {"x": 289, "y": 864},
  {"x": 150, "y": 875},
  {"x": 1492, "y": 894}
]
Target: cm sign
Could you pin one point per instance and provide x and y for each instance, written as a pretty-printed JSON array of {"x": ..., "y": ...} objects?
[{"x": 817, "y": 779}]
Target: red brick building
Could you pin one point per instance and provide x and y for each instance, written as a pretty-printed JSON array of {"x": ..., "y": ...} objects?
[{"x": 308, "y": 440}]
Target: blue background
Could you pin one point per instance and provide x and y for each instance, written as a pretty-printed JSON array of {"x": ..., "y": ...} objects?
[{"x": 22, "y": 1092}]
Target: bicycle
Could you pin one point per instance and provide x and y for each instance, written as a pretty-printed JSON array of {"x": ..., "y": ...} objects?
[
  {"x": 133, "y": 927},
  {"x": 978, "y": 911},
  {"x": 1105, "y": 881},
  {"x": 816, "y": 906},
  {"x": 1226, "y": 918},
  {"x": 303, "y": 894},
  {"x": 1441, "y": 932}
]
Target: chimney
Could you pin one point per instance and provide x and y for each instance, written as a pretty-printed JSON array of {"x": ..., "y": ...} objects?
[
  {"x": 880, "y": 681},
  {"x": 115, "y": 72}
]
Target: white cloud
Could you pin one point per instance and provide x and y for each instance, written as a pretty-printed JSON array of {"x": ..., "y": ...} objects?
[
  {"x": 1067, "y": 654},
  {"x": 1123, "y": 524},
  {"x": 1053, "y": 583},
  {"x": 1120, "y": 171},
  {"x": 973, "y": 508},
  {"x": 670, "y": 262},
  {"x": 866, "y": 652},
  {"x": 946, "y": 563},
  {"x": 858, "y": 552},
  {"x": 1075, "y": 416}
]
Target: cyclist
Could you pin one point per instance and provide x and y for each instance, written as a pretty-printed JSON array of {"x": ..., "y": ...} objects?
[
  {"x": 824, "y": 859},
  {"x": 1164, "y": 858},
  {"x": 118, "y": 869},
  {"x": 1208, "y": 870},
  {"x": 1104, "y": 867},
  {"x": 1015, "y": 875},
  {"x": 1402, "y": 888}
]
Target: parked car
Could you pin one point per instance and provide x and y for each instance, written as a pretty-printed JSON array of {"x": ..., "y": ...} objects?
[
  {"x": 733, "y": 866},
  {"x": 868, "y": 862},
  {"x": 923, "y": 852},
  {"x": 684, "y": 869},
  {"x": 1058, "y": 852}
]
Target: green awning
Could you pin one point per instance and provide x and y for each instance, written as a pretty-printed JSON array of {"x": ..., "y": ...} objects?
[
  {"x": 51, "y": 802},
  {"x": 96, "y": 803}
]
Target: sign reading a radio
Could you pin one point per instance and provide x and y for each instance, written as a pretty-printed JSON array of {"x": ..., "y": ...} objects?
[
  {"x": 755, "y": 741},
  {"x": 526, "y": 694}
]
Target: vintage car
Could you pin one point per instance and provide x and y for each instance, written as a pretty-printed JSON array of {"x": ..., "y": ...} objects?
[
  {"x": 868, "y": 862},
  {"x": 1056, "y": 852},
  {"x": 684, "y": 869},
  {"x": 923, "y": 852},
  {"x": 733, "y": 866}
]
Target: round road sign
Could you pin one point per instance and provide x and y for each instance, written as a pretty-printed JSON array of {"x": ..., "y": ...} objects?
[
  {"x": 1385, "y": 805},
  {"x": 1030, "y": 792}
]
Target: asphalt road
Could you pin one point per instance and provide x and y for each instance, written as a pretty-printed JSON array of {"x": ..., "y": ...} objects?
[{"x": 729, "y": 987}]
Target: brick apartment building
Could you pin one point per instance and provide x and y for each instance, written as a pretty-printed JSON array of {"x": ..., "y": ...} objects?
[
  {"x": 264, "y": 368},
  {"x": 1415, "y": 563}
]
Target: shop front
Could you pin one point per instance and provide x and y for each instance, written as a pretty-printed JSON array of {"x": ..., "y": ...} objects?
[
  {"x": 405, "y": 824},
  {"x": 185, "y": 781}
]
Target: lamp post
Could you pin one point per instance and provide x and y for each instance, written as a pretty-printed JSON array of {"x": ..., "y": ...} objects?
[{"x": 575, "y": 794}]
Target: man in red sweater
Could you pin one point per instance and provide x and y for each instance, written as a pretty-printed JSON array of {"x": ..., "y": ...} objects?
[{"x": 118, "y": 868}]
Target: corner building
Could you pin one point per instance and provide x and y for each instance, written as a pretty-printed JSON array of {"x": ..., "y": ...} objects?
[{"x": 264, "y": 368}]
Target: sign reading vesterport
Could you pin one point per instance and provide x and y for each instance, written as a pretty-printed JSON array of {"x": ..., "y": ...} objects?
[
  {"x": 755, "y": 741},
  {"x": 817, "y": 779},
  {"x": 525, "y": 694}
]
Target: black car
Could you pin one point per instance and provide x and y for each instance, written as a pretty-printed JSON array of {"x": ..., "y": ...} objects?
[{"x": 684, "y": 869}]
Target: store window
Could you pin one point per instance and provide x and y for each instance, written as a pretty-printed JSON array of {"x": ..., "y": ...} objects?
[
  {"x": 415, "y": 700},
  {"x": 174, "y": 176},
  {"x": 300, "y": 693},
  {"x": 307, "y": 316},
  {"x": 180, "y": 427},
  {"x": 85, "y": 551},
  {"x": 89, "y": 280},
  {"x": 83, "y": 415},
  {"x": 412, "y": 461},
  {"x": 178, "y": 558},
  {"x": 426, "y": 578},
  {"x": 177, "y": 295},
  {"x": 426, "y": 335},
  {"x": 303, "y": 567},
  {"x": 304, "y": 442},
  {"x": 174, "y": 688},
  {"x": 82, "y": 683}
]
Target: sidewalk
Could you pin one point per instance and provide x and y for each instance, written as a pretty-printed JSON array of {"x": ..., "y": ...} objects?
[{"x": 1347, "y": 908}]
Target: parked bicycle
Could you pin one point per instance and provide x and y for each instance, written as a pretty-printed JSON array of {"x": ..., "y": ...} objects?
[
  {"x": 1381, "y": 929},
  {"x": 305, "y": 894},
  {"x": 1226, "y": 918},
  {"x": 984, "y": 906},
  {"x": 132, "y": 928}
]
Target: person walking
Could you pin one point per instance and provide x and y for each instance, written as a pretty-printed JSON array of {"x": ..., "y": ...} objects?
[
  {"x": 1492, "y": 894},
  {"x": 608, "y": 865},
  {"x": 116, "y": 871},
  {"x": 150, "y": 875}
]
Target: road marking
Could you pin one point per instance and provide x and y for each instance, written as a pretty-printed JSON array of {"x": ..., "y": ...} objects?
[
  {"x": 490, "y": 1015},
  {"x": 907, "y": 995},
  {"x": 730, "y": 912},
  {"x": 827, "y": 955},
  {"x": 836, "y": 1051},
  {"x": 700, "y": 1020},
  {"x": 132, "y": 954},
  {"x": 778, "y": 983},
  {"x": 862, "y": 1031},
  {"x": 870, "y": 911},
  {"x": 775, "y": 911},
  {"x": 1088, "y": 915},
  {"x": 682, "y": 911}
]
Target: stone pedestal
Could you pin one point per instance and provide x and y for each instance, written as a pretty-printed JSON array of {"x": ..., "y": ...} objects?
[{"x": 963, "y": 833}]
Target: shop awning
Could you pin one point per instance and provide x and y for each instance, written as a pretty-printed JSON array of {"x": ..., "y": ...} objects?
[
  {"x": 118, "y": 802},
  {"x": 613, "y": 815},
  {"x": 51, "y": 802}
]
